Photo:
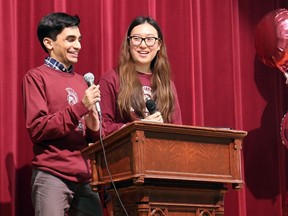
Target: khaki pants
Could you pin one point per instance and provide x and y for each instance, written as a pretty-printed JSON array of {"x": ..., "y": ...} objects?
[{"x": 53, "y": 196}]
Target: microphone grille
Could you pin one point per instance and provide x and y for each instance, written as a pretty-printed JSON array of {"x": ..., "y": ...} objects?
[
  {"x": 151, "y": 106},
  {"x": 89, "y": 77}
]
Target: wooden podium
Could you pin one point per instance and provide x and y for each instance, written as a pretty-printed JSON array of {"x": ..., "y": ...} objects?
[{"x": 165, "y": 169}]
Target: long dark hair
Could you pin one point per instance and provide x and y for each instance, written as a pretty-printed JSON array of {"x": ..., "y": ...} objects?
[{"x": 130, "y": 86}]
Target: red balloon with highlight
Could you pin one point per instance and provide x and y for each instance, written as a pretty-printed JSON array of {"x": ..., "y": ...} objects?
[
  {"x": 271, "y": 39},
  {"x": 271, "y": 43}
]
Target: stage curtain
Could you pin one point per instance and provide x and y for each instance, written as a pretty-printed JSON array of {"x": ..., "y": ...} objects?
[{"x": 220, "y": 83}]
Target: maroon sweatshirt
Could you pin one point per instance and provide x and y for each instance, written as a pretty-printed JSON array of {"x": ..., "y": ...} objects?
[
  {"x": 54, "y": 118},
  {"x": 109, "y": 86}
]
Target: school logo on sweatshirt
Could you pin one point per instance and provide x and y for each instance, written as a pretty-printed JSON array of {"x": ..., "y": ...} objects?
[{"x": 72, "y": 98}]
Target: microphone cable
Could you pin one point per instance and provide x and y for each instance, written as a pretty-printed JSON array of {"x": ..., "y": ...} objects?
[{"x": 106, "y": 164}]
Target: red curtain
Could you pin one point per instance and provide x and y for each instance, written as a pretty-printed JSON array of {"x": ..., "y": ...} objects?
[{"x": 219, "y": 80}]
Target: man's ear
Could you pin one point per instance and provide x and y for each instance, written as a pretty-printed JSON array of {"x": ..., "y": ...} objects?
[{"x": 48, "y": 43}]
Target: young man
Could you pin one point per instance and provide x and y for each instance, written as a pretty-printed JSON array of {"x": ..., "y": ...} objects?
[{"x": 61, "y": 120}]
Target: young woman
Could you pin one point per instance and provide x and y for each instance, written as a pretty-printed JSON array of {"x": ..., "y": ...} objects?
[{"x": 143, "y": 74}]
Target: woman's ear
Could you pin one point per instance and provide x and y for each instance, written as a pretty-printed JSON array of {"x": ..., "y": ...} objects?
[
  {"x": 48, "y": 43},
  {"x": 159, "y": 45}
]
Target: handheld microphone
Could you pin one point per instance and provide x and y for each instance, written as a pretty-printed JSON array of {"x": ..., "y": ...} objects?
[
  {"x": 151, "y": 106},
  {"x": 89, "y": 78}
]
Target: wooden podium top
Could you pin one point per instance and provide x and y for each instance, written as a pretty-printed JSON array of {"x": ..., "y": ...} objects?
[
  {"x": 205, "y": 132},
  {"x": 144, "y": 150}
]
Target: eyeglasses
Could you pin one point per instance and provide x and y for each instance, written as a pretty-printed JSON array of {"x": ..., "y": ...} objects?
[{"x": 149, "y": 41}]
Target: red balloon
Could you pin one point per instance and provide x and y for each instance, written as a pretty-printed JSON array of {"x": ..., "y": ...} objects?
[
  {"x": 284, "y": 130},
  {"x": 271, "y": 39}
]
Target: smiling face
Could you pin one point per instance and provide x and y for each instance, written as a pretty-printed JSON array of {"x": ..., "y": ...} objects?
[
  {"x": 66, "y": 47},
  {"x": 142, "y": 54}
]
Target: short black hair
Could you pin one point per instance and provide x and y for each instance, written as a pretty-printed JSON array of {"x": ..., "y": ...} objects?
[{"x": 53, "y": 24}]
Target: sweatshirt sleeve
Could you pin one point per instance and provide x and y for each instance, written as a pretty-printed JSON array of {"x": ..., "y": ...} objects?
[
  {"x": 109, "y": 86},
  {"x": 41, "y": 124},
  {"x": 93, "y": 136}
]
